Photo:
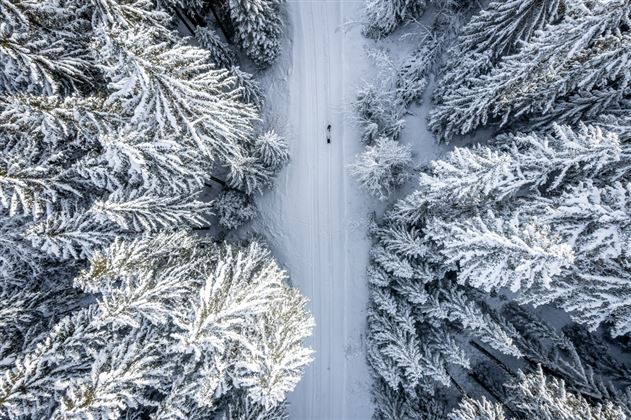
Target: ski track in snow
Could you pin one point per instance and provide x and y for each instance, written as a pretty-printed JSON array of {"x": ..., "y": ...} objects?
[{"x": 316, "y": 218}]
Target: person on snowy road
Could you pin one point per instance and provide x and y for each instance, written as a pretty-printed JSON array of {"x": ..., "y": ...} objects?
[{"x": 328, "y": 133}]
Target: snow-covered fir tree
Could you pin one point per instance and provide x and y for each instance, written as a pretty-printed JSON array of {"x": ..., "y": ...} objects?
[
  {"x": 44, "y": 50},
  {"x": 135, "y": 350},
  {"x": 560, "y": 198},
  {"x": 571, "y": 70},
  {"x": 258, "y": 28},
  {"x": 580, "y": 358},
  {"x": 537, "y": 396},
  {"x": 493, "y": 252},
  {"x": 423, "y": 327},
  {"x": 535, "y": 215},
  {"x": 468, "y": 176},
  {"x": 111, "y": 124},
  {"x": 495, "y": 32},
  {"x": 222, "y": 56},
  {"x": 470, "y": 409},
  {"x": 171, "y": 88}
]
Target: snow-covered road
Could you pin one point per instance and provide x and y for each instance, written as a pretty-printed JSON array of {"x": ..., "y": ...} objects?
[{"x": 316, "y": 219}]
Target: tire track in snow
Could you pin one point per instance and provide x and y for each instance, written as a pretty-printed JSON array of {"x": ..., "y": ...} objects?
[
  {"x": 314, "y": 239},
  {"x": 330, "y": 274}
]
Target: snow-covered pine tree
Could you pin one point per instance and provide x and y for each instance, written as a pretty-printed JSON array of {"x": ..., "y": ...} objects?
[
  {"x": 537, "y": 395},
  {"x": 220, "y": 53},
  {"x": 494, "y": 32},
  {"x": 258, "y": 27},
  {"x": 172, "y": 88},
  {"x": 587, "y": 220},
  {"x": 82, "y": 181},
  {"x": 493, "y": 251},
  {"x": 594, "y": 220},
  {"x": 560, "y": 353},
  {"x": 582, "y": 55},
  {"x": 223, "y": 57},
  {"x": 413, "y": 74},
  {"x": 617, "y": 121},
  {"x": 565, "y": 183},
  {"x": 243, "y": 409},
  {"x": 514, "y": 163},
  {"x": 120, "y": 355},
  {"x": 99, "y": 146},
  {"x": 550, "y": 351},
  {"x": 598, "y": 353},
  {"x": 125, "y": 14},
  {"x": 265, "y": 158},
  {"x": 416, "y": 339}
]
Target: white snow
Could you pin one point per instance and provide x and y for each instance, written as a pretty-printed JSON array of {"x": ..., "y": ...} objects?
[{"x": 316, "y": 219}]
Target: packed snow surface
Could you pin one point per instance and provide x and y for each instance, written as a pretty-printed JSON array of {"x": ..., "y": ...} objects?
[{"x": 316, "y": 218}]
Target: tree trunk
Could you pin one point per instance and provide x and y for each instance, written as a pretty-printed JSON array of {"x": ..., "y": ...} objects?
[
  {"x": 221, "y": 12},
  {"x": 491, "y": 356}
]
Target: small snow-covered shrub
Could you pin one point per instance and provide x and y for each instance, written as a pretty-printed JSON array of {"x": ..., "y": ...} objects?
[
  {"x": 249, "y": 175},
  {"x": 234, "y": 209},
  {"x": 250, "y": 90},
  {"x": 220, "y": 53},
  {"x": 383, "y": 166},
  {"x": 272, "y": 149},
  {"x": 383, "y": 16},
  {"x": 379, "y": 113},
  {"x": 254, "y": 173}
]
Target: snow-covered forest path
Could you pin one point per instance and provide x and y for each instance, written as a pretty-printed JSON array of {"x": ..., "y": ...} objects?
[{"x": 315, "y": 220}]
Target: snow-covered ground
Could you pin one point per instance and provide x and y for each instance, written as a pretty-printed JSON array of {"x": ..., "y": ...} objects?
[{"x": 315, "y": 220}]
